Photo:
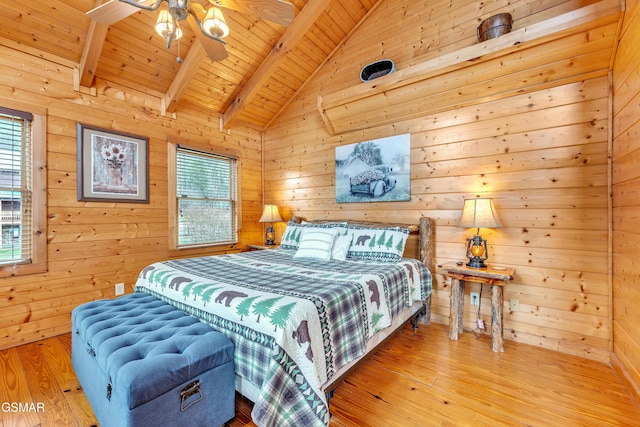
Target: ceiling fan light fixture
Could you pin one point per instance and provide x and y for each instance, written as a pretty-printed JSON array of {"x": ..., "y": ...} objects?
[
  {"x": 165, "y": 25},
  {"x": 215, "y": 24}
]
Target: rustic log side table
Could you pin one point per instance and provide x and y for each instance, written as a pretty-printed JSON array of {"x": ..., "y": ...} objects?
[{"x": 492, "y": 275}]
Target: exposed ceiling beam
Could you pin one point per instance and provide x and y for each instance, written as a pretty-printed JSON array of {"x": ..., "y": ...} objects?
[
  {"x": 92, "y": 50},
  {"x": 326, "y": 60},
  {"x": 307, "y": 16},
  {"x": 201, "y": 48},
  {"x": 112, "y": 11},
  {"x": 187, "y": 70}
]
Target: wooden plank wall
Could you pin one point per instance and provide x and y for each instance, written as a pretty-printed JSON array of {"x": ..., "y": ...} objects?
[
  {"x": 93, "y": 245},
  {"x": 626, "y": 200},
  {"x": 543, "y": 157}
]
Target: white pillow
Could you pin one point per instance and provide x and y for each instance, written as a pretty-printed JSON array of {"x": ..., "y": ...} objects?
[
  {"x": 316, "y": 243},
  {"x": 340, "y": 247},
  {"x": 291, "y": 236}
]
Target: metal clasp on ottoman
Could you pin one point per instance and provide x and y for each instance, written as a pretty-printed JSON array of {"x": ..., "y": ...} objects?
[{"x": 143, "y": 362}]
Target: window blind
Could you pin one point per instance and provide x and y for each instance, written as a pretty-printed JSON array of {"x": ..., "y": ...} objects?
[
  {"x": 206, "y": 198},
  {"x": 15, "y": 186}
]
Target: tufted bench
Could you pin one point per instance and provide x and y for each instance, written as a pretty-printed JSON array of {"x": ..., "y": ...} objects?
[{"x": 143, "y": 362}]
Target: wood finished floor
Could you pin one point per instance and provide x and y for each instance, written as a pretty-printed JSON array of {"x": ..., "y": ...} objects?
[{"x": 421, "y": 380}]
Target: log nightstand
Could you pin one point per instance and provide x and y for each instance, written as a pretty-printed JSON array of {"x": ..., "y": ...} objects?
[{"x": 492, "y": 275}]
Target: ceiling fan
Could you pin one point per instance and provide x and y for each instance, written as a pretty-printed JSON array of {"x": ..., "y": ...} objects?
[{"x": 206, "y": 20}]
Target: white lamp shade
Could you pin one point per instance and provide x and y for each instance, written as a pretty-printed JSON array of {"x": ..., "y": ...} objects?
[
  {"x": 479, "y": 213},
  {"x": 215, "y": 24},
  {"x": 164, "y": 25},
  {"x": 270, "y": 214}
]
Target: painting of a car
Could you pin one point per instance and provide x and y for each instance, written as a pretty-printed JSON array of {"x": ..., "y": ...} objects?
[
  {"x": 374, "y": 171},
  {"x": 375, "y": 181}
]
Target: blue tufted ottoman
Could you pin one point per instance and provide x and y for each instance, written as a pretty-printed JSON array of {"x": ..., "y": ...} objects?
[{"x": 143, "y": 362}]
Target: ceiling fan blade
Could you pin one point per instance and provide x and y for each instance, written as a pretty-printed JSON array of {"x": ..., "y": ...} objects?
[
  {"x": 214, "y": 49},
  {"x": 111, "y": 12},
  {"x": 278, "y": 11}
]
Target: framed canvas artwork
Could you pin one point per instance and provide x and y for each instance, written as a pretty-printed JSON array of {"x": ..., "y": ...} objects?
[{"x": 377, "y": 170}]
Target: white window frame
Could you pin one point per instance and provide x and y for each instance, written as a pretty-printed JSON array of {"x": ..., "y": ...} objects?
[
  {"x": 36, "y": 262},
  {"x": 174, "y": 213}
]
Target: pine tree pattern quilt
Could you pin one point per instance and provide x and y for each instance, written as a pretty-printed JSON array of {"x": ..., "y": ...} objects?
[{"x": 294, "y": 321}]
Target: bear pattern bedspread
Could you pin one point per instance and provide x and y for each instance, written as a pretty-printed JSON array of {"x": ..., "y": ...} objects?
[{"x": 293, "y": 321}]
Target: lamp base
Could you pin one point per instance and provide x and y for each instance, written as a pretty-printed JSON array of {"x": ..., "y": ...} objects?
[
  {"x": 476, "y": 263},
  {"x": 476, "y": 252},
  {"x": 270, "y": 237}
]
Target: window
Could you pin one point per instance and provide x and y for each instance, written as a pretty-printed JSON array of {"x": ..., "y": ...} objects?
[
  {"x": 22, "y": 190},
  {"x": 205, "y": 203}
]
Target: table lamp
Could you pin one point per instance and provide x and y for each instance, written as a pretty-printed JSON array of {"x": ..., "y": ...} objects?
[
  {"x": 270, "y": 214},
  {"x": 478, "y": 213}
]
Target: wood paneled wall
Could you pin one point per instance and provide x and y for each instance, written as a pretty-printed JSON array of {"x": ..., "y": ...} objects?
[
  {"x": 626, "y": 200},
  {"x": 542, "y": 156},
  {"x": 94, "y": 245}
]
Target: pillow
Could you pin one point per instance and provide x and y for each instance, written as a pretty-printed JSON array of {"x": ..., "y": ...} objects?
[
  {"x": 382, "y": 244},
  {"x": 340, "y": 247},
  {"x": 316, "y": 243},
  {"x": 291, "y": 236}
]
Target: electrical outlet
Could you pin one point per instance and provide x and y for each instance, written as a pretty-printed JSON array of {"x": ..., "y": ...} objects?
[
  {"x": 474, "y": 297},
  {"x": 119, "y": 288},
  {"x": 514, "y": 305}
]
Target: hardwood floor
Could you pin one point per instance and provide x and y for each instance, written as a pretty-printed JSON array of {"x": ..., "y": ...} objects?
[{"x": 421, "y": 380}]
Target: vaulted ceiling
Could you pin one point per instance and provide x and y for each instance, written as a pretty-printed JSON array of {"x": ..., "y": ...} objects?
[{"x": 267, "y": 63}]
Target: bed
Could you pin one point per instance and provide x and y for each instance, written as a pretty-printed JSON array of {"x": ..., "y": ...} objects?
[{"x": 299, "y": 320}]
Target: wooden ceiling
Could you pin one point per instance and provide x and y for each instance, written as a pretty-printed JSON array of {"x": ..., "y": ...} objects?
[{"x": 267, "y": 64}]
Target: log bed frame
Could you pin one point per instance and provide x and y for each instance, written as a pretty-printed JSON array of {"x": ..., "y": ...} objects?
[{"x": 426, "y": 254}]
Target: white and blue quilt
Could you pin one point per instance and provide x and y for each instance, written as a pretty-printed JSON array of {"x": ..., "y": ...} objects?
[{"x": 294, "y": 321}]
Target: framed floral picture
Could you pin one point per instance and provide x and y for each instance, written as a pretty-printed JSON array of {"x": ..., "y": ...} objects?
[{"x": 112, "y": 166}]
